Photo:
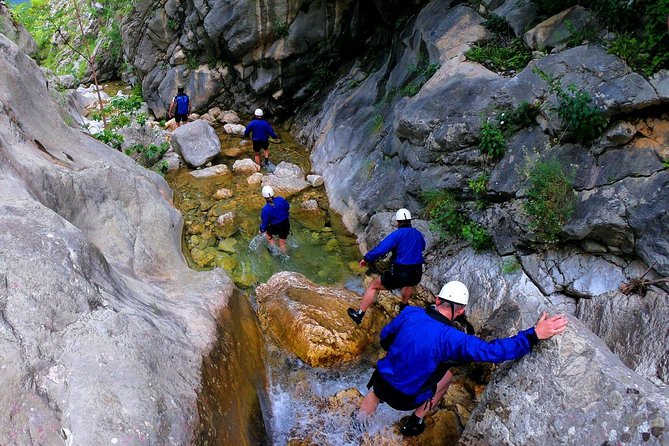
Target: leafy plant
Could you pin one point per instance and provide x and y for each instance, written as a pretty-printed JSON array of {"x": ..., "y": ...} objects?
[
  {"x": 492, "y": 141},
  {"x": 110, "y": 138},
  {"x": 550, "y": 199},
  {"x": 497, "y": 57},
  {"x": 479, "y": 185},
  {"x": 510, "y": 265},
  {"x": 518, "y": 118},
  {"x": 475, "y": 234},
  {"x": 585, "y": 121},
  {"x": 172, "y": 24},
  {"x": 281, "y": 29},
  {"x": 421, "y": 73},
  {"x": 119, "y": 121},
  {"x": 192, "y": 61}
]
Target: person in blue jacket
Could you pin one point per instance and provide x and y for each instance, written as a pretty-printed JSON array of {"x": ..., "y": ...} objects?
[
  {"x": 422, "y": 346},
  {"x": 261, "y": 130},
  {"x": 407, "y": 245},
  {"x": 180, "y": 107},
  {"x": 274, "y": 218}
]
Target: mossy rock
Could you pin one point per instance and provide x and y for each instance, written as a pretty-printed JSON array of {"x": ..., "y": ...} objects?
[
  {"x": 227, "y": 262},
  {"x": 228, "y": 245}
]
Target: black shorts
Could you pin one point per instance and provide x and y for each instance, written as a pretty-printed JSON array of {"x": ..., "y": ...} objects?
[
  {"x": 399, "y": 276},
  {"x": 180, "y": 118},
  {"x": 389, "y": 395},
  {"x": 281, "y": 229},
  {"x": 257, "y": 145}
]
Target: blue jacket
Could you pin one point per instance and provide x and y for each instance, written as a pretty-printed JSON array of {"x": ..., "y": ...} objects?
[
  {"x": 261, "y": 130},
  {"x": 422, "y": 345},
  {"x": 407, "y": 245},
  {"x": 273, "y": 214}
]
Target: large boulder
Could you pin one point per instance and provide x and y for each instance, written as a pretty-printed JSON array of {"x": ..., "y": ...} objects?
[
  {"x": 15, "y": 31},
  {"x": 311, "y": 320},
  {"x": 559, "y": 28},
  {"x": 570, "y": 390},
  {"x": 286, "y": 180},
  {"x": 634, "y": 327},
  {"x": 103, "y": 324},
  {"x": 197, "y": 142}
]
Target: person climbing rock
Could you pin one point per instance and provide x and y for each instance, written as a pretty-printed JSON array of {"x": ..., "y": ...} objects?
[
  {"x": 180, "y": 107},
  {"x": 407, "y": 245},
  {"x": 422, "y": 345},
  {"x": 260, "y": 131},
  {"x": 274, "y": 218}
]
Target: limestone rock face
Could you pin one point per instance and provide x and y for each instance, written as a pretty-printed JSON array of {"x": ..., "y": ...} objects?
[
  {"x": 554, "y": 30},
  {"x": 539, "y": 400},
  {"x": 197, "y": 142},
  {"x": 311, "y": 320},
  {"x": 246, "y": 165},
  {"x": 99, "y": 309},
  {"x": 634, "y": 328},
  {"x": 15, "y": 31}
]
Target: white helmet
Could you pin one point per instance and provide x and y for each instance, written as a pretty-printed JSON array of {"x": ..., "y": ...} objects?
[
  {"x": 267, "y": 191},
  {"x": 455, "y": 292},
  {"x": 402, "y": 215},
  {"x": 258, "y": 113}
]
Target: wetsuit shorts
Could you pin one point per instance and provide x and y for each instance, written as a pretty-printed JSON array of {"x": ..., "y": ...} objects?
[
  {"x": 257, "y": 145},
  {"x": 389, "y": 395},
  {"x": 399, "y": 276},
  {"x": 281, "y": 229},
  {"x": 180, "y": 118}
]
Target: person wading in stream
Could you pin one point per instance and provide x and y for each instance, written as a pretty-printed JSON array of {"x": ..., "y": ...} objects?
[
  {"x": 274, "y": 218},
  {"x": 407, "y": 245},
  {"x": 180, "y": 107},
  {"x": 261, "y": 130},
  {"x": 422, "y": 345}
]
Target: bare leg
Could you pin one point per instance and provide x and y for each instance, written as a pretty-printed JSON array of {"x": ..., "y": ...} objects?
[
  {"x": 282, "y": 245},
  {"x": 257, "y": 156},
  {"x": 442, "y": 387},
  {"x": 407, "y": 291},
  {"x": 369, "y": 403},
  {"x": 270, "y": 239},
  {"x": 370, "y": 293}
]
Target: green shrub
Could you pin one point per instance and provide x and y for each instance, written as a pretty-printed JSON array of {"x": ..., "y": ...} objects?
[
  {"x": 420, "y": 73},
  {"x": 172, "y": 24},
  {"x": 550, "y": 199},
  {"x": 585, "y": 121},
  {"x": 442, "y": 211},
  {"x": 475, "y": 234},
  {"x": 192, "y": 61},
  {"x": 510, "y": 265},
  {"x": 110, "y": 138},
  {"x": 492, "y": 141},
  {"x": 512, "y": 57},
  {"x": 281, "y": 29},
  {"x": 119, "y": 121},
  {"x": 479, "y": 185}
]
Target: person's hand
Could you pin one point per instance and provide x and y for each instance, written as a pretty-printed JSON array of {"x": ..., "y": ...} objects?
[
  {"x": 362, "y": 263},
  {"x": 547, "y": 327}
]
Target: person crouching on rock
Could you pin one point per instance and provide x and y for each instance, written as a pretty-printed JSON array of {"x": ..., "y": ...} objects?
[
  {"x": 407, "y": 245},
  {"x": 274, "y": 218},
  {"x": 422, "y": 345}
]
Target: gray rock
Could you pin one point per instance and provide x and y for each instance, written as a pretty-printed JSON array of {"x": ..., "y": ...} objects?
[
  {"x": 100, "y": 313},
  {"x": 246, "y": 165},
  {"x": 660, "y": 82},
  {"x": 286, "y": 180},
  {"x": 571, "y": 390},
  {"x": 634, "y": 328},
  {"x": 15, "y": 31},
  {"x": 619, "y": 134},
  {"x": 315, "y": 180},
  {"x": 197, "y": 142},
  {"x": 559, "y": 28},
  {"x": 518, "y": 13},
  {"x": 208, "y": 172}
]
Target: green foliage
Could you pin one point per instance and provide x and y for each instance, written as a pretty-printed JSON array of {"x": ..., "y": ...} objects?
[
  {"x": 141, "y": 119},
  {"x": 448, "y": 220},
  {"x": 585, "y": 32},
  {"x": 377, "y": 123},
  {"x": 148, "y": 154},
  {"x": 172, "y": 24},
  {"x": 510, "y": 265},
  {"x": 192, "y": 61},
  {"x": 648, "y": 51},
  {"x": 110, "y": 138},
  {"x": 420, "y": 73},
  {"x": 475, "y": 234},
  {"x": 281, "y": 29},
  {"x": 354, "y": 83},
  {"x": 665, "y": 163},
  {"x": 322, "y": 75},
  {"x": 585, "y": 121},
  {"x": 479, "y": 185},
  {"x": 512, "y": 57},
  {"x": 550, "y": 199},
  {"x": 125, "y": 104},
  {"x": 119, "y": 121},
  {"x": 160, "y": 168},
  {"x": 492, "y": 141},
  {"x": 518, "y": 118}
]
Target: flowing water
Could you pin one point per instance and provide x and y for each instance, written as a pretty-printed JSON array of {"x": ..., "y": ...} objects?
[{"x": 318, "y": 247}]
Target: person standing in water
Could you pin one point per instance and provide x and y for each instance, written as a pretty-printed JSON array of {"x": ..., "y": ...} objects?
[
  {"x": 407, "y": 245},
  {"x": 274, "y": 218},
  {"x": 260, "y": 130}
]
